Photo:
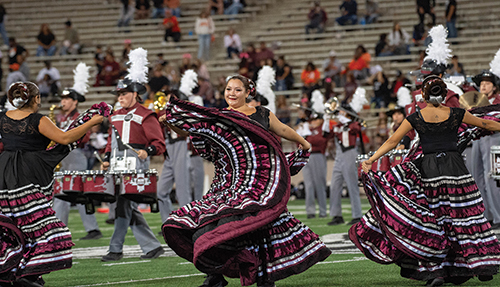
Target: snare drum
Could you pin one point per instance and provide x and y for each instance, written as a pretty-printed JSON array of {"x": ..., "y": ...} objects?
[
  {"x": 495, "y": 162},
  {"x": 397, "y": 156},
  {"x": 68, "y": 186},
  {"x": 98, "y": 185},
  {"x": 383, "y": 164},
  {"x": 139, "y": 185}
]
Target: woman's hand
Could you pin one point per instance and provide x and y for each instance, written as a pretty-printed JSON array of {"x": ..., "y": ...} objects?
[
  {"x": 367, "y": 166},
  {"x": 306, "y": 146},
  {"x": 97, "y": 119}
]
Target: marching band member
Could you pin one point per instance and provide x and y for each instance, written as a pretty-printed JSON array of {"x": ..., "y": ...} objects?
[
  {"x": 398, "y": 115},
  {"x": 344, "y": 169},
  {"x": 75, "y": 160},
  {"x": 138, "y": 127},
  {"x": 488, "y": 82}
]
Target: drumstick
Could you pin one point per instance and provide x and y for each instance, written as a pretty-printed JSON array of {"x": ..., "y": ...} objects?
[
  {"x": 128, "y": 146},
  {"x": 98, "y": 157}
]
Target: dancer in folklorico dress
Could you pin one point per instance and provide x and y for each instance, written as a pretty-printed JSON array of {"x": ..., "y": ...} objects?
[
  {"x": 138, "y": 127},
  {"x": 241, "y": 228},
  {"x": 33, "y": 241},
  {"x": 76, "y": 159},
  {"x": 480, "y": 163},
  {"x": 427, "y": 213}
]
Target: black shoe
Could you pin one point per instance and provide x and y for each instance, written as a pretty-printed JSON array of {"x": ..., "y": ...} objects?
[
  {"x": 214, "y": 280},
  {"x": 110, "y": 221},
  {"x": 336, "y": 220},
  {"x": 457, "y": 280},
  {"x": 435, "y": 282},
  {"x": 94, "y": 234},
  {"x": 354, "y": 221},
  {"x": 309, "y": 216},
  {"x": 323, "y": 216},
  {"x": 485, "y": 277},
  {"x": 155, "y": 253},
  {"x": 267, "y": 284},
  {"x": 112, "y": 256},
  {"x": 27, "y": 282}
]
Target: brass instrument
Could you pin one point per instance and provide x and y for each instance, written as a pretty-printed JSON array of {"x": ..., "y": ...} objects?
[
  {"x": 332, "y": 107},
  {"x": 160, "y": 101},
  {"x": 52, "y": 117}
]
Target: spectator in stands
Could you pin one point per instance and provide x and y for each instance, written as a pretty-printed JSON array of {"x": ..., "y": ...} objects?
[
  {"x": 329, "y": 88},
  {"x": 204, "y": 27},
  {"x": 127, "y": 47},
  {"x": 382, "y": 48},
  {"x": 360, "y": 64},
  {"x": 457, "y": 69},
  {"x": 158, "y": 9},
  {"x": 201, "y": 69},
  {"x": 317, "y": 18},
  {"x": 332, "y": 68},
  {"x": 46, "y": 42},
  {"x": 171, "y": 26},
  {"x": 419, "y": 34},
  {"x": 160, "y": 60},
  {"x": 3, "y": 18},
  {"x": 110, "y": 72},
  {"x": 71, "y": 41},
  {"x": 142, "y": 9},
  {"x": 233, "y": 7},
  {"x": 371, "y": 11},
  {"x": 284, "y": 75},
  {"x": 426, "y": 7},
  {"x": 206, "y": 92},
  {"x": 172, "y": 75},
  {"x": 18, "y": 55},
  {"x": 185, "y": 63},
  {"x": 451, "y": 18},
  {"x": 350, "y": 87},
  {"x": 232, "y": 42},
  {"x": 262, "y": 53},
  {"x": 421, "y": 56},
  {"x": 282, "y": 110},
  {"x": 127, "y": 10},
  {"x": 14, "y": 75},
  {"x": 48, "y": 80},
  {"x": 216, "y": 6},
  {"x": 99, "y": 58},
  {"x": 348, "y": 9},
  {"x": 399, "y": 40},
  {"x": 310, "y": 78},
  {"x": 399, "y": 82},
  {"x": 158, "y": 82},
  {"x": 174, "y": 6}
]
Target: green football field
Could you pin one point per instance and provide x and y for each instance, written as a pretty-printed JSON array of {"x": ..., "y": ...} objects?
[{"x": 345, "y": 267}]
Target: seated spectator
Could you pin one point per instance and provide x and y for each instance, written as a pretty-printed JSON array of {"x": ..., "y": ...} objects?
[
  {"x": 206, "y": 92},
  {"x": 173, "y": 76},
  {"x": 142, "y": 9},
  {"x": 399, "y": 40},
  {"x": 171, "y": 26},
  {"x": 382, "y": 49},
  {"x": 216, "y": 6},
  {"x": 310, "y": 78},
  {"x": 71, "y": 41},
  {"x": 127, "y": 47},
  {"x": 201, "y": 69},
  {"x": 350, "y": 87},
  {"x": 332, "y": 68},
  {"x": 283, "y": 112},
  {"x": 317, "y": 18},
  {"x": 127, "y": 10},
  {"x": 372, "y": 12},
  {"x": 232, "y": 42},
  {"x": 185, "y": 63},
  {"x": 158, "y": 82},
  {"x": 46, "y": 42},
  {"x": 284, "y": 75},
  {"x": 457, "y": 69},
  {"x": 158, "y": 9},
  {"x": 262, "y": 53},
  {"x": 48, "y": 80},
  {"x": 382, "y": 94},
  {"x": 360, "y": 64},
  {"x": 110, "y": 72},
  {"x": 399, "y": 82},
  {"x": 419, "y": 34},
  {"x": 18, "y": 55},
  {"x": 160, "y": 60},
  {"x": 99, "y": 58},
  {"x": 233, "y": 7},
  {"x": 348, "y": 9},
  {"x": 14, "y": 75},
  {"x": 174, "y": 6}
]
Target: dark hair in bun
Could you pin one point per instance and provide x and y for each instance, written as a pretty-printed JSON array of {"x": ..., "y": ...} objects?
[
  {"x": 434, "y": 90},
  {"x": 247, "y": 83},
  {"x": 21, "y": 94}
]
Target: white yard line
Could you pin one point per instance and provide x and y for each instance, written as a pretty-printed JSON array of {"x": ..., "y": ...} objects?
[
  {"x": 125, "y": 263},
  {"x": 343, "y": 261},
  {"x": 142, "y": 280}
]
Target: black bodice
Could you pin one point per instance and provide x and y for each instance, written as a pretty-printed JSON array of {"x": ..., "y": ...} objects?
[
  {"x": 261, "y": 116},
  {"x": 22, "y": 134},
  {"x": 438, "y": 137}
]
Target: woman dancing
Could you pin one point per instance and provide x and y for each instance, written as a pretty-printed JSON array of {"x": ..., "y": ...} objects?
[
  {"x": 241, "y": 227},
  {"x": 427, "y": 213},
  {"x": 32, "y": 240}
]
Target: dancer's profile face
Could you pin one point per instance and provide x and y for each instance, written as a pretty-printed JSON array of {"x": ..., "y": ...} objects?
[{"x": 235, "y": 94}]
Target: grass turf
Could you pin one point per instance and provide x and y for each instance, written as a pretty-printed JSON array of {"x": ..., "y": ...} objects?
[{"x": 337, "y": 270}]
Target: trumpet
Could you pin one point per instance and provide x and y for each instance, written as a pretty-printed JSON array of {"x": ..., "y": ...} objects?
[
  {"x": 160, "y": 101},
  {"x": 332, "y": 107}
]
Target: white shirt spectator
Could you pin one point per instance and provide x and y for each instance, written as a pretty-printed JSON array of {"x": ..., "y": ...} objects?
[
  {"x": 395, "y": 38},
  {"x": 204, "y": 26},
  {"x": 233, "y": 41},
  {"x": 44, "y": 86}
]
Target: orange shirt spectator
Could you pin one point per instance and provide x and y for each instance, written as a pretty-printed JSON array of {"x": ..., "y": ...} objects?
[
  {"x": 361, "y": 63},
  {"x": 172, "y": 4},
  {"x": 310, "y": 77},
  {"x": 172, "y": 23}
]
